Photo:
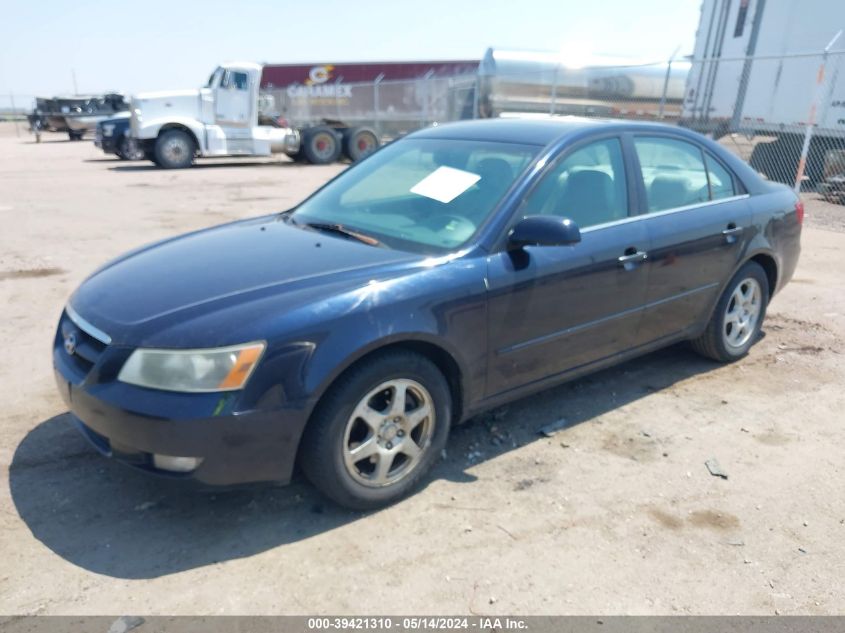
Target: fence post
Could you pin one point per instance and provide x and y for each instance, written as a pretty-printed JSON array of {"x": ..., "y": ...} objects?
[
  {"x": 475, "y": 96},
  {"x": 337, "y": 98},
  {"x": 377, "y": 105},
  {"x": 662, "y": 107},
  {"x": 427, "y": 110},
  {"x": 811, "y": 118}
]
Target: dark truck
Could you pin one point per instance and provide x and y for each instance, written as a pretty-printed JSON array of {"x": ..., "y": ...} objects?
[{"x": 112, "y": 136}]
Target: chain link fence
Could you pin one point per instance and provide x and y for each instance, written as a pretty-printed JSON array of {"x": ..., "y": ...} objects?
[
  {"x": 392, "y": 108},
  {"x": 784, "y": 115}
]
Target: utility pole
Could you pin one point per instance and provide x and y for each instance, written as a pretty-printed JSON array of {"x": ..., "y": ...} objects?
[{"x": 73, "y": 74}]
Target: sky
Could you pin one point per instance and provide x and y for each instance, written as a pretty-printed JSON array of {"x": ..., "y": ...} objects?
[{"x": 139, "y": 45}]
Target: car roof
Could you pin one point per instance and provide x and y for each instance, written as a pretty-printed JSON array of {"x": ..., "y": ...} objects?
[
  {"x": 540, "y": 130},
  {"x": 531, "y": 131}
]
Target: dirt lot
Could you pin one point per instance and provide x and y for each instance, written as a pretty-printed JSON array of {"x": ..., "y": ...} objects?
[{"x": 615, "y": 514}]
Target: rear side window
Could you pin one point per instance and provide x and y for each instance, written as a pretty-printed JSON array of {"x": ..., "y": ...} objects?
[
  {"x": 587, "y": 186},
  {"x": 673, "y": 173},
  {"x": 721, "y": 181}
]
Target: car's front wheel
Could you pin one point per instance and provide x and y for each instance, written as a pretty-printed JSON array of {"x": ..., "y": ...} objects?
[
  {"x": 378, "y": 430},
  {"x": 738, "y": 317}
]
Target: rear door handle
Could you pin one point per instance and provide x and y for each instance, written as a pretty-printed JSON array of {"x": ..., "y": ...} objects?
[
  {"x": 631, "y": 258},
  {"x": 731, "y": 233}
]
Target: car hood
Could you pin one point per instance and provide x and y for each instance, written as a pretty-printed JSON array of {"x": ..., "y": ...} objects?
[
  {"x": 179, "y": 279},
  {"x": 165, "y": 94}
]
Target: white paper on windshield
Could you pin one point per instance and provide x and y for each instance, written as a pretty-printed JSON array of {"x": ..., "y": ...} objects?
[{"x": 445, "y": 184}]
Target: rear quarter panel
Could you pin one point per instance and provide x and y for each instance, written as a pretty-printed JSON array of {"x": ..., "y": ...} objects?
[{"x": 778, "y": 230}]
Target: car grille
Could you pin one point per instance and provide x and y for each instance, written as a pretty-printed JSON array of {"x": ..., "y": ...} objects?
[{"x": 88, "y": 345}]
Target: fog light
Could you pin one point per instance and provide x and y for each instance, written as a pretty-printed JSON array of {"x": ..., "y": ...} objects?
[{"x": 176, "y": 464}]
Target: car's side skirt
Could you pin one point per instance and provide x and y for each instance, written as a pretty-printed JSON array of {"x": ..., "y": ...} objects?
[{"x": 554, "y": 380}]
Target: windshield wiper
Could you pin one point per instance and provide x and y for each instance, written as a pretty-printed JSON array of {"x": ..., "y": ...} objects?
[{"x": 329, "y": 227}]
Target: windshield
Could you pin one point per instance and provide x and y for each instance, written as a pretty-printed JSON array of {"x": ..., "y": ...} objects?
[
  {"x": 211, "y": 79},
  {"x": 422, "y": 195}
]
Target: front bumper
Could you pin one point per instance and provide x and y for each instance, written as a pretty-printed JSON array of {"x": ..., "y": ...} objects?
[
  {"x": 235, "y": 448},
  {"x": 131, "y": 424},
  {"x": 106, "y": 143}
]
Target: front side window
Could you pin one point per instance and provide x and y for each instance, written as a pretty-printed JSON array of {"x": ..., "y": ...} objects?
[
  {"x": 673, "y": 173},
  {"x": 240, "y": 80},
  {"x": 422, "y": 195},
  {"x": 587, "y": 186}
]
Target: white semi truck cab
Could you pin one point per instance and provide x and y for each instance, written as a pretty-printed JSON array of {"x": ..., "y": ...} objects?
[{"x": 223, "y": 119}]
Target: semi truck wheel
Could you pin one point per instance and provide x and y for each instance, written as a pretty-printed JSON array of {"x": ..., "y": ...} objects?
[
  {"x": 75, "y": 136},
  {"x": 174, "y": 149},
  {"x": 359, "y": 142},
  {"x": 320, "y": 145}
]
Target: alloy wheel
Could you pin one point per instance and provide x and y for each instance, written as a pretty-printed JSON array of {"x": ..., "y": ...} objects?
[
  {"x": 388, "y": 432},
  {"x": 742, "y": 313}
]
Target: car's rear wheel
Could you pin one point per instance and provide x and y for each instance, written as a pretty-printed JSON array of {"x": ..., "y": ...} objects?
[
  {"x": 738, "y": 317},
  {"x": 378, "y": 430}
]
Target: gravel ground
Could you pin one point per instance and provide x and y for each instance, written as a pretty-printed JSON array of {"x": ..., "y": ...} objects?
[
  {"x": 822, "y": 214},
  {"x": 616, "y": 513}
]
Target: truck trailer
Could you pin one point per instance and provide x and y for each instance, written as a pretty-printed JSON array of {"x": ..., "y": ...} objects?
[{"x": 756, "y": 71}]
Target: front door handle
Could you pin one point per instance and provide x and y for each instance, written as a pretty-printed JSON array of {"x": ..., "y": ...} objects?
[
  {"x": 732, "y": 233},
  {"x": 631, "y": 258}
]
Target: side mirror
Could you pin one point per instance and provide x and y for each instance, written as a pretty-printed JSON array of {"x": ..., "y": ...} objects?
[{"x": 543, "y": 230}]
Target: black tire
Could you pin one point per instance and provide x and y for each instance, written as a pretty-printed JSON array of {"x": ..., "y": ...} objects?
[
  {"x": 127, "y": 149},
  {"x": 174, "y": 149},
  {"x": 713, "y": 342},
  {"x": 150, "y": 155},
  {"x": 320, "y": 145},
  {"x": 359, "y": 142},
  {"x": 299, "y": 155},
  {"x": 73, "y": 135},
  {"x": 321, "y": 453}
]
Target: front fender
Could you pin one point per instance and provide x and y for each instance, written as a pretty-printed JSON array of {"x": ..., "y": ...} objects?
[
  {"x": 149, "y": 130},
  {"x": 444, "y": 308}
]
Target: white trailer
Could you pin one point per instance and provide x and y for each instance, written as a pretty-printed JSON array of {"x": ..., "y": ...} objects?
[
  {"x": 224, "y": 118},
  {"x": 755, "y": 71}
]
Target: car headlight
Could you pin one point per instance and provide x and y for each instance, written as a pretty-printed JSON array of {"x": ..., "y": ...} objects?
[
  {"x": 108, "y": 130},
  {"x": 195, "y": 370}
]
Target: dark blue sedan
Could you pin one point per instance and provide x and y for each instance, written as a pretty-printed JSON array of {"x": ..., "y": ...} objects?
[{"x": 452, "y": 271}]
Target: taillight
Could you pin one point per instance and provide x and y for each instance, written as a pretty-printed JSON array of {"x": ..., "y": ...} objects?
[{"x": 799, "y": 211}]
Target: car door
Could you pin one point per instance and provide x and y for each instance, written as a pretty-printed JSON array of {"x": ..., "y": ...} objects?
[
  {"x": 233, "y": 100},
  {"x": 697, "y": 219},
  {"x": 552, "y": 309}
]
